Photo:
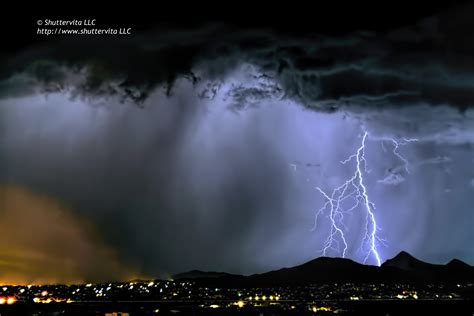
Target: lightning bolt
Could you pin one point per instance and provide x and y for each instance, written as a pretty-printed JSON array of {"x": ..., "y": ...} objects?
[
  {"x": 396, "y": 145},
  {"x": 355, "y": 190}
]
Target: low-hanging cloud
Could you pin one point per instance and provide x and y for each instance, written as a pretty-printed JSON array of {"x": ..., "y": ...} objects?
[
  {"x": 428, "y": 62},
  {"x": 45, "y": 242},
  {"x": 216, "y": 167}
]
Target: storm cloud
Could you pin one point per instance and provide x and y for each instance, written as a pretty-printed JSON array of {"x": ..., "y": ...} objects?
[
  {"x": 201, "y": 148},
  {"x": 43, "y": 241},
  {"x": 427, "y": 62},
  {"x": 154, "y": 180}
]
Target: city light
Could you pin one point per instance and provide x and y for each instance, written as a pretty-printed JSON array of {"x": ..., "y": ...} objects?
[
  {"x": 11, "y": 300},
  {"x": 300, "y": 298}
]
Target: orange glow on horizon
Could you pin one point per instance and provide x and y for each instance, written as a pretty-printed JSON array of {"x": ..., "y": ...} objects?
[{"x": 36, "y": 227}]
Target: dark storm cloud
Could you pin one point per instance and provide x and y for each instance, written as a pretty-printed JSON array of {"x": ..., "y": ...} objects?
[
  {"x": 184, "y": 183},
  {"x": 43, "y": 241},
  {"x": 428, "y": 62},
  {"x": 169, "y": 186},
  {"x": 181, "y": 182}
]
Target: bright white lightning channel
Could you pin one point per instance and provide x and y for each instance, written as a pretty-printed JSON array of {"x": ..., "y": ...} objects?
[{"x": 354, "y": 189}]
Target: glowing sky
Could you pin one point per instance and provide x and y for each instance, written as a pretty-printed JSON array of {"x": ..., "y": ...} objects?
[
  {"x": 43, "y": 241},
  {"x": 207, "y": 154},
  {"x": 186, "y": 182}
]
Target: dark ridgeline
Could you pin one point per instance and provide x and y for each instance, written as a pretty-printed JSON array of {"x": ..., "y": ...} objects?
[
  {"x": 403, "y": 285},
  {"x": 414, "y": 269},
  {"x": 197, "y": 274},
  {"x": 402, "y": 268}
]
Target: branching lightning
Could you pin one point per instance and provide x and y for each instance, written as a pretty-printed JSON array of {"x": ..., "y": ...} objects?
[
  {"x": 396, "y": 145},
  {"x": 354, "y": 189}
]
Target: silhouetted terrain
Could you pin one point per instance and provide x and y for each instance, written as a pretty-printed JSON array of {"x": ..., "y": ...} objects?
[
  {"x": 401, "y": 268},
  {"x": 403, "y": 285},
  {"x": 197, "y": 274}
]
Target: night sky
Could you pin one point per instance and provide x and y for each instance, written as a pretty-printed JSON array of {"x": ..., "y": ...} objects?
[{"x": 201, "y": 144}]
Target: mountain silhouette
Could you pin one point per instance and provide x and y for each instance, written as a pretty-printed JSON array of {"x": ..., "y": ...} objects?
[
  {"x": 197, "y": 274},
  {"x": 319, "y": 270},
  {"x": 407, "y": 262},
  {"x": 458, "y": 264},
  {"x": 455, "y": 270},
  {"x": 401, "y": 268}
]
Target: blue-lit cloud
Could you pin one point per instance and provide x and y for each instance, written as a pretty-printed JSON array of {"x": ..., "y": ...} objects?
[{"x": 202, "y": 148}]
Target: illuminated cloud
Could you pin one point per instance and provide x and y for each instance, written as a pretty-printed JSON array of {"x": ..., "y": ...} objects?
[
  {"x": 212, "y": 161},
  {"x": 44, "y": 242},
  {"x": 388, "y": 79},
  {"x": 427, "y": 62},
  {"x": 392, "y": 179}
]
